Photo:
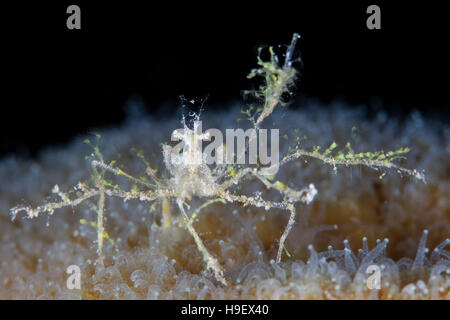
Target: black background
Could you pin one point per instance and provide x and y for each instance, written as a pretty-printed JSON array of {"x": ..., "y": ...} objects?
[
  {"x": 171, "y": 309},
  {"x": 59, "y": 83}
]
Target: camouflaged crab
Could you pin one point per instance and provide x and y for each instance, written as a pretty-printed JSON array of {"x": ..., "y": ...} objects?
[{"x": 191, "y": 177}]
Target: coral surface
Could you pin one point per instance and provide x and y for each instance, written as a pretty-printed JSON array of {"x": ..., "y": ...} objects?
[{"x": 360, "y": 217}]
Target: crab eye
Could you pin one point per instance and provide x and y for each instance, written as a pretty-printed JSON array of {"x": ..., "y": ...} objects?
[
  {"x": 207, "y": 136},
  {"x": 177, "y": 134}
]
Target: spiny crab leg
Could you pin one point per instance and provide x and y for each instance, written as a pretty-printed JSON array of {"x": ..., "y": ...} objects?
[
  {"x": 211, "y": 262},
  {"x": 267, "y": 205}
]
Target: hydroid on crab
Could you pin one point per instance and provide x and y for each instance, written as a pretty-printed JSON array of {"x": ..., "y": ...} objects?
[{"x": 278, "y": 80}]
